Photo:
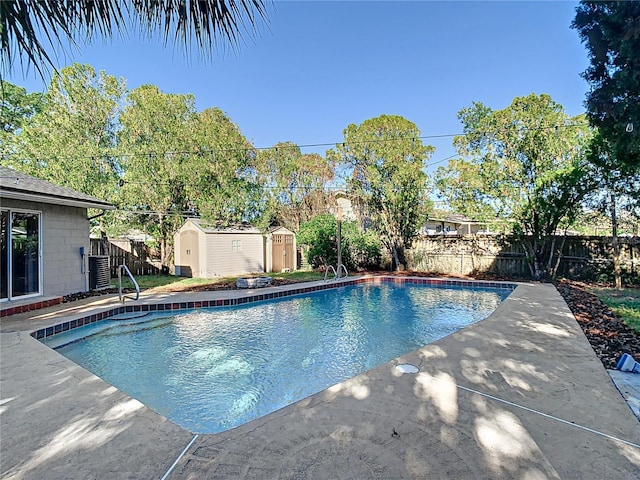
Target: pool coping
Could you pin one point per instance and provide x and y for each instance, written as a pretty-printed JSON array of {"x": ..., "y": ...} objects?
[
  {"x": 378, "y": 424},
  {"x": 251, "y": 296}
]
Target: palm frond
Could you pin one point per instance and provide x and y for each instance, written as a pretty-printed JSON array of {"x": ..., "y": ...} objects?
[
  {"x": 30, "y": 30},
  {"x": 206, "y": 21}
]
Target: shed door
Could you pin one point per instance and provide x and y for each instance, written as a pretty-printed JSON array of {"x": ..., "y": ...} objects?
[
  {"x": 189, "y": 254},
  {"x": 282, "y": 252}
]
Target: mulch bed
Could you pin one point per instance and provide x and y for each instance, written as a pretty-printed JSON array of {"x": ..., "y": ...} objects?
[{"x": 609, "y": 337}]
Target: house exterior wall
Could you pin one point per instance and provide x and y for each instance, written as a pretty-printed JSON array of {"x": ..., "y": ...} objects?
[
  {"x": 226, "y": 257},
  {"x": 438, "y": 227},
  {"x": 346, "y": 207},
  {"x": 63, "y": 231}
]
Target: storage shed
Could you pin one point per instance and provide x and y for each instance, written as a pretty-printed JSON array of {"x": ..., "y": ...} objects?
[
  {"x": 204, "y": 251},
  {"x": 280, "y": 250}
]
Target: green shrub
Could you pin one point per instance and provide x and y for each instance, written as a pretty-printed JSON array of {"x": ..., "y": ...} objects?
[{"x": 360, "y": 250}]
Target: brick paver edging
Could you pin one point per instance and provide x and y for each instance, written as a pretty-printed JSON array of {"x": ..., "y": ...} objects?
[{"x": 36, "y": 305}]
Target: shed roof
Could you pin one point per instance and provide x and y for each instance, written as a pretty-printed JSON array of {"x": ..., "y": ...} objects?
[
  {"x": 238, "y": 228},
  {"x": 20, "y": 186},
  {"x": 276, "y": 228}
]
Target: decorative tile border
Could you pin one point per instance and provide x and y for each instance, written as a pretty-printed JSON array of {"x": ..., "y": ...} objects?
[
  {"x": 229, "y": 302},
  {"x": 36, "y": 305}
]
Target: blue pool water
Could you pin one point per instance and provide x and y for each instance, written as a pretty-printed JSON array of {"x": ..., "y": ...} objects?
[{"x": 213, "y": 369}]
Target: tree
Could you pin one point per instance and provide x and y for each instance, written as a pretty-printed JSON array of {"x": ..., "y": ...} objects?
[
  {"x": 360, "y": 250},
  {"x": 155, "y": 145},
  {"x": 29, "y": 26},
  {"x": 294, "y": 184},
  {"x": 222, "y": 184},
  {"x": 17, "y": 106},
  {"x": 611, "y": 33},
  {"x": 617, "y": 191},
  {"x": 69, "y": 138},
  {"x": 178, "y": 162},
  {"x": 386, "y": 159},
  {"x": 525, "y": 163}
]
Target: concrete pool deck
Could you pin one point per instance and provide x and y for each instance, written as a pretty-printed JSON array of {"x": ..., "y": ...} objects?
[{"x": 520, "y": 394}]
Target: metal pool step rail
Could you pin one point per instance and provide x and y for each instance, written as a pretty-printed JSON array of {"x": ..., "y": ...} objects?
[
  {"x": 336, "y": 273},
  {"x": 135, "y": 284},
  {"x": 342, "y": 267}
]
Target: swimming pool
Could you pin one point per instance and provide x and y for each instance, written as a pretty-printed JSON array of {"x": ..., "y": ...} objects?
[{"x": 209, "y": 370}]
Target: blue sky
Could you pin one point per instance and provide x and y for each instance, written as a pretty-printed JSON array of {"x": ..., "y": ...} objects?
[{"x": 319, "y": 66}]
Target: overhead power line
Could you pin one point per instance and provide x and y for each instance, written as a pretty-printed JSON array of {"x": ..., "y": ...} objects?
[
  {"x": 250, "y": 186},
  {"x": 283, "y": 147}
]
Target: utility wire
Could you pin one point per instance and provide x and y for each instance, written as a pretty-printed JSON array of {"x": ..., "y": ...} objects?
[
  {"x": 122, "y": 182},
  {"x": 284, "y": 147}
]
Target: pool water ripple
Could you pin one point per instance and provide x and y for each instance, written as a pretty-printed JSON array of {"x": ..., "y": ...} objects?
[{"x": 213, "y": 369}]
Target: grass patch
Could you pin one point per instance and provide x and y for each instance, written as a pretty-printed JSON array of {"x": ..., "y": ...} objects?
[
  {"x": 624, "y": 303},
  {"x": 160, "y": 283},
  {"x": 299, "y": 276},
  {"x": 155, "y": 281}
]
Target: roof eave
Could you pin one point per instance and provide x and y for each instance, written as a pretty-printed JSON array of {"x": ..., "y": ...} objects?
[{"x": 69, "y": 202}]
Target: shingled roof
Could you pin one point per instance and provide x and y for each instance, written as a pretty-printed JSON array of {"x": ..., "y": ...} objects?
[{"x": 20, "y": 186}]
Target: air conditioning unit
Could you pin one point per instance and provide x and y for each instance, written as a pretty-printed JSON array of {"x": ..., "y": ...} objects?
[{"x": 99, "y": 274}]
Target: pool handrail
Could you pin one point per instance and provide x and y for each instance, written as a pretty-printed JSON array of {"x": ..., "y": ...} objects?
[
  {"x": 326, "y": 272},
  {"x": 336, "y": 273},
  {"x": 135, "y": 284},
  {"x": 342, "y": 267}
]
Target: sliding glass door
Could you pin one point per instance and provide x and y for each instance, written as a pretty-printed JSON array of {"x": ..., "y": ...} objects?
[
  {"x": 4, "y": 255},
  {"x": 20, "y": 250}
]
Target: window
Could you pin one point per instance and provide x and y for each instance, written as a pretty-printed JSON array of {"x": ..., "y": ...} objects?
[
  {"x": 20, "y": 250},
  {"x": 236, "y": 245}
]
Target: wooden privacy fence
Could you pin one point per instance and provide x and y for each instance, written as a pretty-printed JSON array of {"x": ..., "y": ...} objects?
[
  {"x": 580, "y": 258},
  {"x": 122, "y": 251}
]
